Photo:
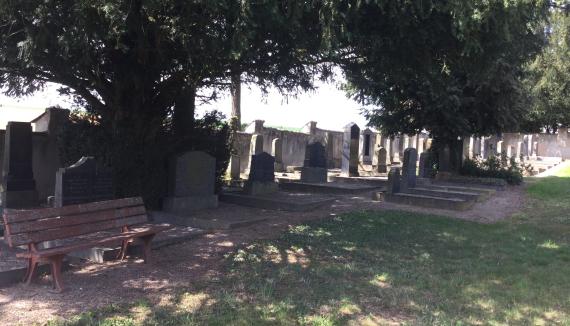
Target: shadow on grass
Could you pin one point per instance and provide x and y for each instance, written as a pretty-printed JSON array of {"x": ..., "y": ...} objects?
[{"x": 389, "y": 267}]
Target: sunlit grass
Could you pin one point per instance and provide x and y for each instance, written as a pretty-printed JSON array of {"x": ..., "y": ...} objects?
[{"x": 387, "y": 268}]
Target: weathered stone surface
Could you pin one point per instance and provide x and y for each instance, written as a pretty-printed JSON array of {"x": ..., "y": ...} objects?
[
  {"x": 83, "y": 182},
  {"x": 315, "y": 156},
  {"x": 313, "y": 175},
  {"x": 367, "y": 150},
  {"x": 383, "y": 160},
  {"x": 409, "y": 168},
  {"x": 261, "y": 175},
  {"x": 18, "y": 184},
  {"x": 192, "y": 183},
  {"x": 235, "y": 162},
  {"x": 393, "y": 186},
  {"x": 256, "y": 146},
  {"x": 277, "y": 151},
  {"x": 350, "y": 150},
  {"x": 426, "y": 165}
]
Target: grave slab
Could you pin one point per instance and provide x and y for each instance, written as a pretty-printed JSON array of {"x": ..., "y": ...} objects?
[
  {"x": 327, "y": 188},
  {"x": 429, "y": 201},
  {"x": 285, "y": 201}
]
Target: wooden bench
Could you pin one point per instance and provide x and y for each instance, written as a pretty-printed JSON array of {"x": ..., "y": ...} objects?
[{"x": 69, "y": 226}]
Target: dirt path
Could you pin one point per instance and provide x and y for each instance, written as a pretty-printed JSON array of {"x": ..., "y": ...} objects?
[{"x": 97, "y": 285}]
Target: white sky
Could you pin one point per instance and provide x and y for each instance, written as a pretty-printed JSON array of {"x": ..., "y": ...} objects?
[{"x": 327, "y": 105}]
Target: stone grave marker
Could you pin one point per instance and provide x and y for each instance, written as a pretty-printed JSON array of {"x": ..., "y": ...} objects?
[
  {"x": 315, "y": 165},
  {"x": 262, "y": 175},
  {"x": 192, "y": 182},
  {"x": 409, "y": 168},
  {"x": 235, "y": 162},
  {"x": 350, "y": 144},
  {"x": 426, "y": 165},
  {"x": 383, "y": 161},
  {"x": 396, "y": 143},
  {"x": 83, "y": 182},
  {"x": 18, "y": 184},
  {"x": 277, "y": 151},
  {"x": 255, "y": 147},
  {"x": 393, "y": 185}
]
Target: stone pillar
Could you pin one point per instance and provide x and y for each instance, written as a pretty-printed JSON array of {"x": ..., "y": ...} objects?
[
  {"x": 409, "y": 168},
  {"x": 18, "y": 184},
  {"x": 383, "y": 160},
  {"x": 396, "y": 150},
  {"x": 258, "y": 126},
  {"x": 420, "y": 145},
  {"x": 312, "y": 127},
  {"x": 235, "y": 167},
  {"x": 255, "y": 147},
  {"x": 277, "y": 151},
  {"x": 520, "y": 151},
  {"x": 500, "y": 147},
  {"x": 329, "y": 142},
  {"x": 388, "y": 147},
  {"x": 406, "y": 142},
  {"x": 350, "y": 150}
]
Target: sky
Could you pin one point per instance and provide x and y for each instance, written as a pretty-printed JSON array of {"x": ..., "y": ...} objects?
[{"x": 327, "y": 105}]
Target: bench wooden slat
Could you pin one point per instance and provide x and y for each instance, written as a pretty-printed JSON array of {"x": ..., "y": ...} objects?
[
  {"x": 18, "y": 216},
  {"x": 73, "y": 231},
  {"x": 138, "y": 231},
  {"x": 62, "y": 221}
]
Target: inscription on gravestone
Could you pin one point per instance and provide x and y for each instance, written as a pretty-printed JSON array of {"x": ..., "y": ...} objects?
[{"x": 83, "y": 182}]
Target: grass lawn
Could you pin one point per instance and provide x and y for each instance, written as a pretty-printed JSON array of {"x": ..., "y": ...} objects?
[{"x": 393, "y": 267}]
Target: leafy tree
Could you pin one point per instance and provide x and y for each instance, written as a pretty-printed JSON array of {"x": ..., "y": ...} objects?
[
  {"x": 139, "y": 66},
  {"x": 451, "y": 67},
  {"x": 548, "y": 78}
]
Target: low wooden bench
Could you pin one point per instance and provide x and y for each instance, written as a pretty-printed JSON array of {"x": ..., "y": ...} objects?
[{"x": 69, "y": 225}]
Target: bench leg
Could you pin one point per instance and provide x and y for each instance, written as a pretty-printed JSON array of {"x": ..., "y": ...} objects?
[
  {"x": 56, "y": 263},
  {"x": 123, "y": 251},
  {"x": 146, "y": 247},
  {"x": 31, "y": 271}
]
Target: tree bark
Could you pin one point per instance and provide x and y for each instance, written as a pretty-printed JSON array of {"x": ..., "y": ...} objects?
[
  {"x": 235, "y": 90},
  {"x": 183, "y": 116}
]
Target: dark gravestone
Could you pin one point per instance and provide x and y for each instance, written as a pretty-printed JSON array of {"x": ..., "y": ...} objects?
[
  {"x": 426, "y": 165},
  {"x": 382, "y": 160},
  {"x": 393, "y": 186},
  {"x": 83, "y": 182},
  {"x": 261, "y": 175},
  {"x": 18, "y": 184},
  {"x": 350, "y": 144},
  {"x": 444, "y": 159},
  {"x": 315, "y": 165},
  {"x": 409, "y": 168},
  {"x": 192, "y": 182}
]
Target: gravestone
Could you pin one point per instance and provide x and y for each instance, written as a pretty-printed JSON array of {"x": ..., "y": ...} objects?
[
  {"x": 314, "y": 169},
  {"x": 382, "y": 160},
  {"x": 18, "y": 184},
  {"x": 396, "y": 143},
  {"x": 393, "y": 186},
  {"x": 192, "y": 182},
  {"x": 83, "y": 182},
  {"x": 409, "y": 168},
  {"x": 426, "y": 165},
  {"x": 444, "y": 159},
  {"x": 261, "y": 175},
  {"x": 350, "y": 150},
  {"x": 277, "y": 151},
  {"x": 367, "y": 150},
  {"x": 235, "y": 162},
  {"x": 255, "y": 147}
]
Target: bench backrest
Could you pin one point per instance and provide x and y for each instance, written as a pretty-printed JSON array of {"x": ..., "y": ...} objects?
[{"x": 38, "y": 225}]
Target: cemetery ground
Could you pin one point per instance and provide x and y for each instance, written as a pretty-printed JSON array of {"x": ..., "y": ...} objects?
[{"x": 359, "y": 264}]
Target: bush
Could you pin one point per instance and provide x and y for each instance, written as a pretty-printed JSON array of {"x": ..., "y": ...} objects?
[{"x": 494, "y": 167}]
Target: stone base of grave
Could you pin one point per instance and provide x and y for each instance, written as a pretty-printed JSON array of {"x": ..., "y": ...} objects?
[
  {"x": 455, "y": 204},
  {"x": 223, "y": 222},
  {"x": 471, "y": 196},
  {"x": 450, "y": 178},
  {"x": 327, "y": 188},
  {"x": 371, "y": 181},
  {"x": 187, "y": 205},
  {"x": 283, "y": 201},
  {"x": 169, "y": 237},
  {"x": 256, "y": 188},
  {"x": 314, "y": 175},
  {"x": 19, "y": 199}
]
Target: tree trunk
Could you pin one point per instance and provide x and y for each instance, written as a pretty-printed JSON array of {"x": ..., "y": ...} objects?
[
  {"x": 235, "y": 90},
  {"x": 183, "y": 116}
]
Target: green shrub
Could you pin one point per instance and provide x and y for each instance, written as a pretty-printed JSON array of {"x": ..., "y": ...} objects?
[{"x": 500, "y": 167}]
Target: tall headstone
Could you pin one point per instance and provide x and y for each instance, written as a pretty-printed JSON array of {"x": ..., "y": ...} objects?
[
  {"x": 393, "y": 185},
  {"x": 255, "y": 147},
  {"x": 315, "y": 166},
  {"x": 382, "y": 160},
  {"x": 329, "y": 143},
  {"x": 426, "y": 165},
  {"x": 396, "y": 144},
  {"x": 18, "y": 184},
  {"x": 262, "y": 175},
  {"x": 235, "y": 162},
  {"x": 350, "y": 150},
  {"x": 83, "y": 182},
  {"x": 409, "y": 168},
  {"x": 367, "y": 149},
  {"x": 192, "y": 182},
  {"x": 444, "y": 159},
  {"x": 277, "y": 151}
]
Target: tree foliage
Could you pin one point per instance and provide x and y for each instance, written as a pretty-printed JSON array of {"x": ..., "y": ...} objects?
[
  {"x": 139, "y": 66},
  {"x": 548, "y": 78},
  {"x": 451, "y": 67}
]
